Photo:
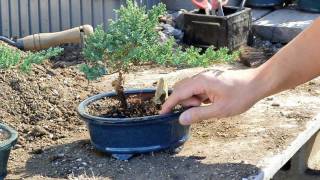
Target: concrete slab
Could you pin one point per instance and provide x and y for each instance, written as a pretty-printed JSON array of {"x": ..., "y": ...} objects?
[
  {"x": 283, "y": 25},
  {"x": 259, "y": 13}
]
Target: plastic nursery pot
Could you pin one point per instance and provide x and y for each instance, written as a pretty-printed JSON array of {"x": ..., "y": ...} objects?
[
  {"x": 310, "y": 6},
  {"x": 5, "y": 148},
  {"x": 264, "y": 3},
  {"x": 125, "y": 137}
]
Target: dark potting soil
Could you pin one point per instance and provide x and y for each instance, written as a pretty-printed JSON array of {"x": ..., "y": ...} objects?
[
  {"x": 4, "y": 134},
  {"x": 137, "y": 107},
  {"x": 72, "y": 55}
]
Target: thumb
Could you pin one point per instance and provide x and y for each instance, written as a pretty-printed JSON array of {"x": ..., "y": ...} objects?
[{"x": 196, "y": 114}]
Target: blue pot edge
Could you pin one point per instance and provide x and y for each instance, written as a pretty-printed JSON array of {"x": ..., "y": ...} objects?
[
  {"x": 142, "y": 150},
  {"x": 7, "y": 144},
  {"x": 101, "y": 120}
]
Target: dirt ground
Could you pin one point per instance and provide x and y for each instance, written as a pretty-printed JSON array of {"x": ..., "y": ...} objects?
[{"x": 54, "y": 142}]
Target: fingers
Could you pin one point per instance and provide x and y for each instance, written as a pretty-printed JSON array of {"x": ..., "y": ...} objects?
[
  {"x": 197, "y": 114},
  {"x": 191, "y": 102},
  {"x": 182, "y": 91}
]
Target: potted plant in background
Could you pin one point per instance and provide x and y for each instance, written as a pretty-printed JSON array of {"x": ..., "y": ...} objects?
[
  {"x": 8, "y": 138},
  {"x": 126, "y": 122}
]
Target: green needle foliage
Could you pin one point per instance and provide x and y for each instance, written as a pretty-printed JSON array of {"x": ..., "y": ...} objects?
[
  {"x": 133, "y": 39},
  {"x": 8, "y": 57},
  {"x": 38, "y": 58},
  {"x": 11, "y": 58}
]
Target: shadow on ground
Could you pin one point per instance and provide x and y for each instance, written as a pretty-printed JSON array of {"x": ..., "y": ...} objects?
[{"x": 80, "y": 159}]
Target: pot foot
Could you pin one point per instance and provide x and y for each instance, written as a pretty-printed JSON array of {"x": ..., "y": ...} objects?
[
  {"x": 173, "y": 151},
  {"x": 122, "y": 157}
]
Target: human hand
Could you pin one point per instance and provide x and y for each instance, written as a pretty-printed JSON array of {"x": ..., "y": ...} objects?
[
  {"x": 215, "y": 4},
  {"x": 223, "y": 93}
]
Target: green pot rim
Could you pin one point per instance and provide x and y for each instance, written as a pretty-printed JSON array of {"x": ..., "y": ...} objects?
[{"x": 8, "y": 143}]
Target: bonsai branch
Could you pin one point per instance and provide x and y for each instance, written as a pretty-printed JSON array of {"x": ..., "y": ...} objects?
[{"x": 118, "y": 87}]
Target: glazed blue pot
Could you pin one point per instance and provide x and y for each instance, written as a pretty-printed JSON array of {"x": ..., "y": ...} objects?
[
  {"x": 309, "y": 5},
  {"x": 5, "y": 148},
  {"x": 264, "y": 3},
  {"x": 125, "y": 137}
]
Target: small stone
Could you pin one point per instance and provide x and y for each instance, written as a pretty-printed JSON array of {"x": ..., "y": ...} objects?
[
  {"x": 17, "y": 146},
  {"x": 38, "y": 131},
  {"x": 269, "y": 98},
  {"x": 65, "y": 82},
  {"x": 60, "y": 155},
  {"x": 275, "y": 104},
  {"x": 79, "y": 159},
  {"x": 55, "y": 92},
  {"x": 84, "y": 163}
]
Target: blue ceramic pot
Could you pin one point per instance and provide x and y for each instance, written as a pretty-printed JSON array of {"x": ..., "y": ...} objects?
[
  {"x": 5, "y": 148},
  {"x": 124, "y": 137},
  {"x": 309, "y": 5},
  {"x": 264, "y": 3}
]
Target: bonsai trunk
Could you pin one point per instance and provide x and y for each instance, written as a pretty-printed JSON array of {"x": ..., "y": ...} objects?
[{"x": 118, "y": 87}]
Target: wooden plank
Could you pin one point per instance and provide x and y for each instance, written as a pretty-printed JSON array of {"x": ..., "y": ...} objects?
[
  {"x": 98, "y": 12},
  {"x": 75, "y": 13},
  {"x": 34, "y": 17},
  {"x": 24, "y": 18},
  {"x": 271, "y": 165},
  {"x": 65, "y": 14},
  {"x": 86, "y": 11},
  {"x": 55, "y": 15},
  {"x": 14, "y": 18},
  {"x": 44, "y": 16},
  {"x": 5, "y": 18}
]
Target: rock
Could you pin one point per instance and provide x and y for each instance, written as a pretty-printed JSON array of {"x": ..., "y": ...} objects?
[
  {"x": 171, "y": 31},
  {"x": 163, "y": 37},
  {"x": 37, "y": 151},
  {"x": 38, "y": 131},
  {"x": 55, "y": 92},
  {"x": 178, "y": 18}
]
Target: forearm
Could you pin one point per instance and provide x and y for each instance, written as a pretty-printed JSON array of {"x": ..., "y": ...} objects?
[{"x": 294, "y": 64}]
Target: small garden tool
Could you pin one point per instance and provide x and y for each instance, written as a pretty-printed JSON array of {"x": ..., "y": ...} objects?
[
  {"x": 41, "y": 41},
  {"x": 211, "y": 5}
]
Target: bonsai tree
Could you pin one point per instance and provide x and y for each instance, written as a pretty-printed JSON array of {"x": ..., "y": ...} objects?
[{"x": 132, "y": 39}]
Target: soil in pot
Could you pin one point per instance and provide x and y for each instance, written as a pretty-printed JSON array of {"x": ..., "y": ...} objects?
[
  {"x": 138, "y": 106},
  {"x": 4, "y": 135}
]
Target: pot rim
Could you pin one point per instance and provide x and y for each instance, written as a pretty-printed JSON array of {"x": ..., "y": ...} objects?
[
  {"x": 86, "y": 116},
  {"x": 8, "y": 143}
]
